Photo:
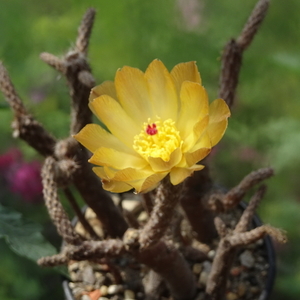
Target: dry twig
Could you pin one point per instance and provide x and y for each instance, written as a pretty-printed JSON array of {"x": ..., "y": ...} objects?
[
  {"x": 24, "y": 125},
  {"x": 220, "y": 202},
  {"x": 233, "y": 52},
  {"x": 55, "y": 209},
  {"x": 167, "y": 198},
  {"x": 230, "y": 240}
]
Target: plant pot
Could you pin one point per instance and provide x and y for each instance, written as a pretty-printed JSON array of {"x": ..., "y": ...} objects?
[{"x": 269, "y": 254}]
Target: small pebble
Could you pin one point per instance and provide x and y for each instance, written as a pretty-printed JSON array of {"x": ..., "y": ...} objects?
[
  {"x": 203, "y": 277},
  {"x": 88, "y": 275},
  {"x": 77, "y": 291},
  {"x": 207, "y": 266},
  {"x": 197, "y": 268},
  {"x": 103, "y": 290},
  {"x": 211, "y": 254},
  {"x": 264, "y": 273},
  {"x": 129, "y": 295},
  {"x": 236, "y": 271},
  {"x": 89, "y": 213},
  {"x": 130, "y": 204},
  {"x": 143, "y": 217},
  {"x": 231, "y": 296},
  {"x": 241, "y": 290},
  {"x": 102, "y": 298},
  {"x": 80, "y": 229},
  {"x": 97, "y": 226},
  {"x": 85, "y": 297},
  {"x": 72, "y": 285},
  {"x": 95, "y": 294},
  {"x": 114, "y": 289},
  {"x": 254, "y": 289},
  {"x": 247, "y": 259},
  {"x": 89, "y": 287}
]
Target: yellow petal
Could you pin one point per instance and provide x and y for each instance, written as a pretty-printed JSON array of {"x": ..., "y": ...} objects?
[
  {"x": 93, "y": 136},
  {"x": 201, "y": 149},
  {"x": 194, "y": 107},
  {"x": 131, "y": 174},
  {"x": 177, "y": 175},
  {"x": 218, "y": 111},
  {"x": 216, "y": 131},
  {"x": 185, "y": 72},
  {"x": 196, "y": 156},
  {"x": 140, "y": 180},
  {"x": 116, "y": 186},
  {"x": 110, "y": 112},
  {"x": 106, "y": 88},
  {"x": 99, "y": 171},
  {"x": 194, "y": 135},
  {"x": 116, "y": 159},
  {"x": 159, "y": 165},
  {"x": 148, "y": 184},
  {"x": 162, "y": 91},
  {"x": 133, "y": 94}
]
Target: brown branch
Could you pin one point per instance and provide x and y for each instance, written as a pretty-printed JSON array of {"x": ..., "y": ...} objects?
[
  {"x": 161, "y": 216},
  {"x": 236, "y": 194},
  {"x": 148, "y": 201},
  {"x": 130, "y": 219},
  {"x": 233, "y": 52},
  {"x": 91, "y": 250},
  {"x": 86, "y": 250},
  {"x": 53, "y": 261},
  {"x": 78, "y": 74},
  {"x": 193, "y": 202},
  {"x": 54, "y": 62},
  {"x": 55, "y": 209},
  {"x": 246, "y": 238},
  {"x": 217, "y": 278},
  {"x": 24, "y": 125},
  {"x": 253, "y": 23},
  {"x": 230, "y": 69},
  {"x": 79, "y": 91},
  {"x": 90, "y": 188},
  {"x": 84, "y": 31},
  {"x": 86, "y": 225},
  {"x": 166, "y": 260},
  {"x": 153, "y": 285},
  {"x": 216, "y": 283},
  {"x": 249, "y": 212},
  {"x": 10, "y": 93},
  {"x": 220, "y": 227},
  {"x": 77, "y": 71}
]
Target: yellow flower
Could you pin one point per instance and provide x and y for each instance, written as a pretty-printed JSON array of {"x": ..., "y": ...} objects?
[{"x": 159, "y": 123}]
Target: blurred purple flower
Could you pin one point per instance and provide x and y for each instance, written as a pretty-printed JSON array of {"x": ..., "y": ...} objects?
[
  {"x": 22, "y": 178},
  {"x": 8, "y": 159}
]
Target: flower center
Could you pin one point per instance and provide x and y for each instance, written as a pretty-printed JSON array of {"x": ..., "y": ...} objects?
[{"x": 157, "y": 139}]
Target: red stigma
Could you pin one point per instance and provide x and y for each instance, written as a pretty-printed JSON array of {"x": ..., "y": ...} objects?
[{"x": 151, "y": 129}]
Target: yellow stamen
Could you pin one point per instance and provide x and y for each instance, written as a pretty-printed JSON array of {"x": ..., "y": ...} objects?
[{"x": 161, "y": 144}]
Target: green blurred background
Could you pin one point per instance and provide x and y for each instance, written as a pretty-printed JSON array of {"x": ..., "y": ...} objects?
[{"x": 264, "y": 129}]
